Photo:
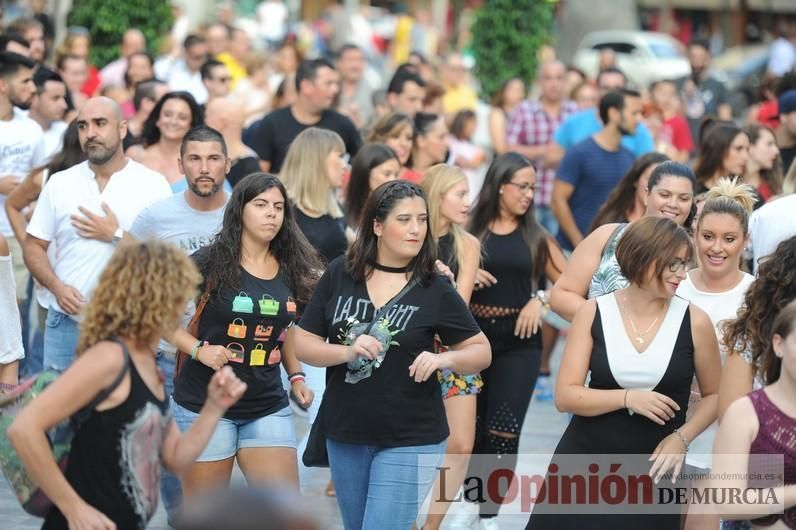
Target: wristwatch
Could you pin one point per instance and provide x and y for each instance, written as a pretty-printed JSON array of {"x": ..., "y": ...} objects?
[
  {"x": 542, "y": 296},
  {"x": 117, "y": 236}
]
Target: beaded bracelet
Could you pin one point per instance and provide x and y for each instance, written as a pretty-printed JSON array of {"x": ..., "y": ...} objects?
[{"x": 195, "y": 349}]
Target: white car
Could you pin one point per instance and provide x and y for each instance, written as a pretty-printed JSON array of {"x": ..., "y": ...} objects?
[{"x": 643, "y": 56}]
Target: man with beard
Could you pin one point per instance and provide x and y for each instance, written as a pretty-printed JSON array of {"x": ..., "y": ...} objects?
[
  {"x": 21, "y": 147},
  {"x": 592, "y": 168},
  {"x": 85, "y": 211},
  {"x": 189, "y": 220}
]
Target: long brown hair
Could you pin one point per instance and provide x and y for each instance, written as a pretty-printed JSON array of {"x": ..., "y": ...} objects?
[
  {"x": 772, "y": 177},
  {"x": 784, "y": 325}
]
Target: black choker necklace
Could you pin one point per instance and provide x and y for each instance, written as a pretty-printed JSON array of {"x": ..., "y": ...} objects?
[{"x": 385, "y": 268}]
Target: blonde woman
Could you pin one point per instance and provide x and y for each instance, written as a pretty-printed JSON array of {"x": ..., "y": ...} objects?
[
  {"x": 448, "y": 196},
  {"x": 312, "y": 173},
  {"x": 140, "y": 298}
]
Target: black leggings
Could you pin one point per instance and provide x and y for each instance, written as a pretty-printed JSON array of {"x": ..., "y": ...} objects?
[{"x": 503, "y": 402}]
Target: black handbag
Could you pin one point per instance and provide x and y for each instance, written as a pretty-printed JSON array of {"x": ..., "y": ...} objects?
[{"x": 315, "y": 454}]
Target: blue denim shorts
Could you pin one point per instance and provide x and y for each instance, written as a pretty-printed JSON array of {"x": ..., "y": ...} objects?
[{"x": 274, "y": 430}]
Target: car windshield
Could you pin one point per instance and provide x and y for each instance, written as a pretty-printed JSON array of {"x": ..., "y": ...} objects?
[{"x": 664, "y": 50}]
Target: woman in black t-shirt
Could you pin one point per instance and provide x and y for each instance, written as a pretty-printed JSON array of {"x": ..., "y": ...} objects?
[
  {"x": 383, "y": 408},
  {"x": 312, "y": 172},
  {"x": 519, "y": 256},
  {"x": 258, "y": 269}
]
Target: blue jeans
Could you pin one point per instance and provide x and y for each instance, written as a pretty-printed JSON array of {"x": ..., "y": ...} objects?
[
  {"x": 382, "y": 488},
  {"x": 60, "y": 340},
  {"x": 544, "y": 215},
  {"x": 170, "y": 487}
]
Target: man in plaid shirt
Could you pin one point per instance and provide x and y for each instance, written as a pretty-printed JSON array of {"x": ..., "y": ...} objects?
[{"x": 530, "y": 132}]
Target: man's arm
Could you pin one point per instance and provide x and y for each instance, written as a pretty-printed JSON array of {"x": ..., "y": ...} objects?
[
  {"x": 35, "y": 249},
  {"x": 19, "y": 199},
  {"x": 562, "y": 191}
]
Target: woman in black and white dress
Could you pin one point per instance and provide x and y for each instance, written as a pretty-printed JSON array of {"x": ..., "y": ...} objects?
[{"x": 643, "y": 346}]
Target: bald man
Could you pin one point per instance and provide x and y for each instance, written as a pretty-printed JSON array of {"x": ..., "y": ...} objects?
[
  {"x": 86, "y": 210},
  {"x": 227, "y": 117},
  {"x": 133, "y": 40}
]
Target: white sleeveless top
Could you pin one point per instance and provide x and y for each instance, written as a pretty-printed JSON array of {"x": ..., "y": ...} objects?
[
  {"x": 631, "y": 369},
  {"x": 719, "y": 307}
]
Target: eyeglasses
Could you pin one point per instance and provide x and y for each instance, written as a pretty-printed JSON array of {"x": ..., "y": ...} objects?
[
  {"x": 524, "y": 187},
  {"x": 676, "y": 264}
]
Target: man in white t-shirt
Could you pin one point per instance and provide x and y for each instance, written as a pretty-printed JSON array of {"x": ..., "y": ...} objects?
[
  {"x": 47, "y": 108},
  {"x": 86, "y": 210},
  {"x": 772, "y": 224},
  {"x": 20, "y": 147}
]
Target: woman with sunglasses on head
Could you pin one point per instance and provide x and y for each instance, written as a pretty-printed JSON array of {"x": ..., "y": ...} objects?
[
  {"x": 592, "y": 269},
  {"x": 643, "y": 346},
  {"x": 383, "y": 410},
  {"x": 519, "y": 256},
  {"x": 256, "y": 272},
  {"x": 717, "y": 286},
  {"x": 447, "y": 191}
]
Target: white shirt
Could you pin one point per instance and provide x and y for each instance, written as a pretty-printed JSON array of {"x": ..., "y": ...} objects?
[
  {"x": 11, "y": 330},
  {"x": 772, "y": 224},
  {"x": 79, "y": 261},
  {"x": 782, "y": 58},
  {"x": 54, "y": 139},
  {"x": 113, "y": 73},
  {"x": 719, "y": 307},
  {"x": 21, "y": 149},
  {"x": 177, "y": 75},
  {"x": 272, "y": 17}
]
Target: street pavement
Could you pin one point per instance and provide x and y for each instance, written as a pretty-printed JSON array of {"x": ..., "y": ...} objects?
[{"x": 541, "y": 431}]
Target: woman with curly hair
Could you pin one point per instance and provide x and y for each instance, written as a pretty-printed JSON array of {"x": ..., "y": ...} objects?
[
  {"x": 172, "y": 117},
  {"x": 112, "y": 478},
  {"x": 256, "y": 272},
  {"x": 593, "y": 270},
  {"x": 748, "y": 338}
]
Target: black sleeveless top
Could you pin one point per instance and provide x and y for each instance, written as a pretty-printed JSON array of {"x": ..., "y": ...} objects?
[
  {"x": 508, "y": 259},
  {"x": 447, "y": 254},
  {"x": 114, "y": 464}
]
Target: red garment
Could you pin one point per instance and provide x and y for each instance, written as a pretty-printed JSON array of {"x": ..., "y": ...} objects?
[
  {"x": 93, "y": 82},
  {"x": 764, "y": 191},
  {"x": 768, "y": 114},
  {"x": 680, "y": 133},
  {"x": 411, "y": 175}
]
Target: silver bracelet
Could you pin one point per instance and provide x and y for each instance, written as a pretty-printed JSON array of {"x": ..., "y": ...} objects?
[{"x": 682, "y": 439}]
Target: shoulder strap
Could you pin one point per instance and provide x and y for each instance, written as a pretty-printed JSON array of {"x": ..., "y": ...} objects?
[
  {"x": 612, "y": 240},
  {"x": 84, "y": 413},
  {"x": 389, "y": 305}
]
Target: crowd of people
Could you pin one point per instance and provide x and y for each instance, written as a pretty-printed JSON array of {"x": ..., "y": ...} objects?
[{"x": 245, "y": 237}]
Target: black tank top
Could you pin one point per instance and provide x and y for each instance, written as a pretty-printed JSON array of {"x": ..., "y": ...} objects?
[
  {"x": 508, "y": 259},
  {"x": 447, "y": 254},
  {"x": 325, "y": 233},
  {"x": 114, "y": 464}
]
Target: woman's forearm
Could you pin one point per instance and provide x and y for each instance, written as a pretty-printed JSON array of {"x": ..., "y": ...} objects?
[
  {"x": 704, "y": 414},
  {"x": 565, "y": 303},
  {"x": 34, "y": 451},
  {"x": 315, "y": 351},
  {"x": 470, "y": 359},
  {"x": 584, "y": 401},
  {"x": 191, "y": 443}
]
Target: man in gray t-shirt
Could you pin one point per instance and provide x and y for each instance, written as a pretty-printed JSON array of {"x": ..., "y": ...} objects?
[{"x": 189, "y": 220}]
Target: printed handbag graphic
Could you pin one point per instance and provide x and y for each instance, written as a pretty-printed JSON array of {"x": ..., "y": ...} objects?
[
  {"x": 237, "y": 350},
  {"x": 274, "y": 357},
  {"x": 263, "y": 332},
  {"x": 242, "y": 303},
  {"x": 258, "y": 354},
  {"x": 290, "y": 305},
  {"x": 236, "y": 330},
  {"x": 269, "y": 306}
]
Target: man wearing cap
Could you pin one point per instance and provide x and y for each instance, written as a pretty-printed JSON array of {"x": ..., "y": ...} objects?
[{"x": 786, "y": 132}]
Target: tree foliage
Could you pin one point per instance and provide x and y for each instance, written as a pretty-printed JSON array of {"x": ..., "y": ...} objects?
[
  {"x": 107, "y": 21},
  {"x": 507, "y": 35}
]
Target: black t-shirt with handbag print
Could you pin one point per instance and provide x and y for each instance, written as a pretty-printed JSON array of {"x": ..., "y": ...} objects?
[
  {"x": 376, "y": 402},
  {"x": 249, "y": 322}
]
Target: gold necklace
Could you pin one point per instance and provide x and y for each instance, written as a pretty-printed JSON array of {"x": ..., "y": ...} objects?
[{"x": 639, "y": 337}]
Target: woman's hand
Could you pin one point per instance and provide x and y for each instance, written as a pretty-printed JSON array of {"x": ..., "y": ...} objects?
[
  {"x": 225, "y": 389},
  {"x": 445, "y": 271},
  {"x": 653, "y": 405},
  {"x": 669, "y": 455},
  {"x": 214, "y": 357},
  {"x": 303, "y": 393},
  {"x": 86, "y": 517},
  {"x": 483, "y": 279},
  {"x": 528, "y": 320},
  {"x": 364, "y": 346},
  {"x": 426, "y": 364}
]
